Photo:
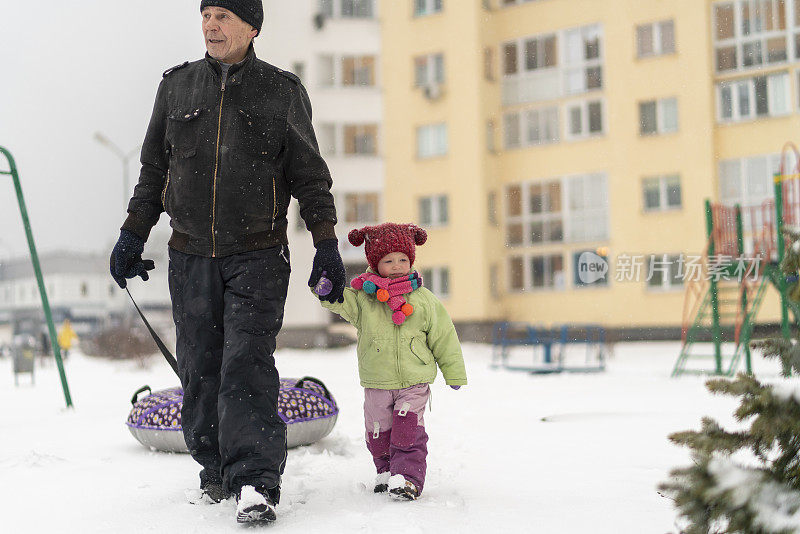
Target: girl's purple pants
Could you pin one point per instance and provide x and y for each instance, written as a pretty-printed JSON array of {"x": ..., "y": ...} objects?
[{"x": 396, "y": 431}]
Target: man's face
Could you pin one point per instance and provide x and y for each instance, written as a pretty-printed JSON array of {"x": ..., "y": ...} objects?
[{"x": 227, "y": 36}]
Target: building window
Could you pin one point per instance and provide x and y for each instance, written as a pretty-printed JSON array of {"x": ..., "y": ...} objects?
[
  {"x": 357, "y": 9},
  {"x": 583, "y": 69},
  {"x": 361, "y": 207},
  {"x": 553, "y": 65},
  {"x": 531, "y": 127},
  {"x": 540, "y": 52},
  {"x": 572, "y": 209},
  {"x": 84, "y": 289},
  {"x": 299, "y": 69},
  {"x": 662, "y": 193},
  {"x": 358, "y": 70},
  {"x": 658, "y": 116},
  {"x": 494, "y": 280},
  {"x": 326, "y": 137},
  {"x": 748, "y": 181},
  {"x": 753, "y": 98},
  {"x": 515, "y": 2},
  {"x": 586, "y": 217},
  {"x": 488, "y": 64},
  {"x": 431, "y": 141},
  {"x": 429, "y": 69},
  {"x": 491, "y": 199},
  {"x": 327, "y": 74},
  {"x": 437, "y": 280},
  {"x": 545, "y": 217},
  {"x": 360, "y": 139},
  {"x": 664, "y": 272},
  {"x": 516, "y": 273},
  {"x": 433, "y": 211},
  {"x": 750, "y": 33},
  {"x": 541, "y": 126},
  {"x": 427, "y": 7},
  {"x": 584, "y": 119},
  {"x": 547, "y": 272},
  {"x": 655, "y": 39},
  {"x": 511, "y": 130},
  {"x": 326, "y": 8}
]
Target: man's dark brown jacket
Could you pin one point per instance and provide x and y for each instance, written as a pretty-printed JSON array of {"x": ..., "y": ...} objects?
[{"x": 224, "y": 157}]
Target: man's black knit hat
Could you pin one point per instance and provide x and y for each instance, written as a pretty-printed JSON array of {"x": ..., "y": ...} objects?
[{"x": 250, "y": 11}]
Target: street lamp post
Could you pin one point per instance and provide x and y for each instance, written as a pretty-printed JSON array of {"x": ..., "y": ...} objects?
[{"x": 124, "y": 158}]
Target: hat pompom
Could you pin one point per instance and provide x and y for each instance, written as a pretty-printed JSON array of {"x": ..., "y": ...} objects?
[
  {"x": 420, "y": 235},
  {"x": 356, "y": 237}
]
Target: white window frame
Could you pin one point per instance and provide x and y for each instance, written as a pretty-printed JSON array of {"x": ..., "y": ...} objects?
[
  {"x": 581, "y": 65},
  {"x": 356, "y": 5},
  {"x": 661, "y": 128},
  {"x": 439, "y": 209},
  {"x": 423, "y": 8},
  {"x": 438, "y": 281},
  {"x": 552, "y": 281},
  {"x": 672, "y": 281},
  {"x": 328, "y": 131},
  {"x": 588, "y": 221},
  {"x": 551, "y": 83},
  {"x": 360, "y": 130},
  {"x": 735, "y": 87},
  {"x": 663, "y": 183},
  {"x": 740, "y": 40},
  {"x": 657, "y": 39},
  {"x": 432, "y": 141},
  {"x": 434, "y": 70},
  {"x": 583, "y": 106},
  {"x": 512, "y": 123},
  {"x": 366, "y": 211},
  {"x": 335, "y": 9}
]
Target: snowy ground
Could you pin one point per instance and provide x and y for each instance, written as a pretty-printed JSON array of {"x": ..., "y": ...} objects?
[{"x": 494, "y": 464}]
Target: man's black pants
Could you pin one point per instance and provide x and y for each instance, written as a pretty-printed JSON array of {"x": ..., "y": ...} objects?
[{"x": 227, "y": 313}]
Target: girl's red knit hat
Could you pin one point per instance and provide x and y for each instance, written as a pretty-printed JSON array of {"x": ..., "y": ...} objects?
[{"x": 386, "y": 238}]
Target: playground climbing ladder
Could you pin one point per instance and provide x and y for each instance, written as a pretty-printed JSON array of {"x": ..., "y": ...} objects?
[{"x": 741, "y": 260}]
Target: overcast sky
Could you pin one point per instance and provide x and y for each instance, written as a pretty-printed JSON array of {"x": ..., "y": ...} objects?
[{"x": 70, "y": 69}]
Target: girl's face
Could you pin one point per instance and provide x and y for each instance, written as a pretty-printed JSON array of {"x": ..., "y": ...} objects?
[{"x": 393, "y": 265}]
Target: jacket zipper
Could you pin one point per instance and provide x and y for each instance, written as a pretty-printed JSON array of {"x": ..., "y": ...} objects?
[
  {"x": 397, "y": 353},
  {"x": 214, "y": 186},
  {"x": 274, "y": 203},
  {"x": 164, "y": 193}
]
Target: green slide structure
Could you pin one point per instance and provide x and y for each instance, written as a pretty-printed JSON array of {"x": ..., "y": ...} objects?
[{"x": 741, "y": 261}]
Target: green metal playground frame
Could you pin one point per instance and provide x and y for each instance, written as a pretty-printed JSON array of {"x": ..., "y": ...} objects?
[
  {"x": 38, "y": 271},
  {"x": 706, "y": 320}
]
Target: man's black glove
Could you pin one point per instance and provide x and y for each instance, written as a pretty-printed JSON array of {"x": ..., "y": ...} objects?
[
  {"x": 329, "y": 260},
  {"x": 126, "y": 259}
]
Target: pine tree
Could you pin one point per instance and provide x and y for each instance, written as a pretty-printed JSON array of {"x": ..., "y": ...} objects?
[{"x": 747, "y": 481}]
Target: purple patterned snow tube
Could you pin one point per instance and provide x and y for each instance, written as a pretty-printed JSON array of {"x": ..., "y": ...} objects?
[{"x": 306, "y": 406}]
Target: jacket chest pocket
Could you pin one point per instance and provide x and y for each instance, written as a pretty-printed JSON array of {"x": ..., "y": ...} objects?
[
  {"x": 262, "y": 135},
  {"x": 183, "y": 131}
]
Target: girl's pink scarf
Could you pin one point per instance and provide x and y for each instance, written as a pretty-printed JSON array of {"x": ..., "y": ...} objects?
[{"x": 390, "y": 291}]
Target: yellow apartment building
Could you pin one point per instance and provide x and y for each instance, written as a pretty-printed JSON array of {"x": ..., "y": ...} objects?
[{"x": 525, "y": 133}]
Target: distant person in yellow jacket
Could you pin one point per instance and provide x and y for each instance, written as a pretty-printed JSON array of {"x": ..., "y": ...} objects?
[{"x": 66, "y": 337}]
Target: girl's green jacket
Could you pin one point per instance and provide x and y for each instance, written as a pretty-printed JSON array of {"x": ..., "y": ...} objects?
[{"x": 395, "y": 357}]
